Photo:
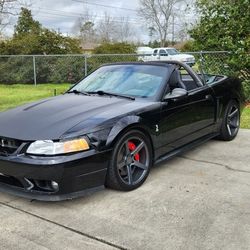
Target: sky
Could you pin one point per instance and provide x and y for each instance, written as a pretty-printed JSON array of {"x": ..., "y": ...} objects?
[{"x": 62, "y": 15}]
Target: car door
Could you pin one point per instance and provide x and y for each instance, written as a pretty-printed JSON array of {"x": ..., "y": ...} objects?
[
  {"x": 163, "y": 55},
  {"x": 155, "y": 56},
  {"x": 187, "y": 119}
]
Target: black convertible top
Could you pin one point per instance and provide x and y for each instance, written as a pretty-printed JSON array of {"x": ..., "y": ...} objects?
[{"x": 171, "y": 65}]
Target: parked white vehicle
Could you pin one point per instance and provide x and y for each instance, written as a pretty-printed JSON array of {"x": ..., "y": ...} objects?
[
  {"x": 163, "y": 54},
  {"x": 144, "y": 53}
]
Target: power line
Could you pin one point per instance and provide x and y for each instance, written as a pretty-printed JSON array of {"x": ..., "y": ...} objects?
[
  {"x": 61, "y": 13},
  {"x": 81, "y": 14},
  {"x": 54, "y": 16},
  {"x": 104, "y": 5},
  {"x": 73, "y": 13},
  {"x": 99, "y": 18}
]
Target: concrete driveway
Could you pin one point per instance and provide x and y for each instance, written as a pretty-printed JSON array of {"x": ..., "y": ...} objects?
[{"x": 200, "y": 200}]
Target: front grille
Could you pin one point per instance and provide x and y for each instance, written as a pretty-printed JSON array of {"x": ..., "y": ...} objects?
[{"x": 8, "y": 146}]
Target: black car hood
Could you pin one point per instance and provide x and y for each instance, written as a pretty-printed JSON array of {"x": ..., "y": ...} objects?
[{"x": 49, "y": 119}]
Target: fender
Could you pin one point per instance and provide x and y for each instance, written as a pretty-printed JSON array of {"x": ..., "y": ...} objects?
[
  {"x": 125, "y": 122},
  {"x": 226, "y": 90}
]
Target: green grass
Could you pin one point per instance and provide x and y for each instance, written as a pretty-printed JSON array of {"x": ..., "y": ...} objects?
[
  {"x": 18, "y": 94},
  {"x": 245, "y": 119}
]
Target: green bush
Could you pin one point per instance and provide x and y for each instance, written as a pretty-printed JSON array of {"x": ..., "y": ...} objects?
[
  {"x": 115, "y": 48},
  {"x": 246, "y": 85},
  {"x": 188, "y": 46},
  {"x": 17, "y": 70}
]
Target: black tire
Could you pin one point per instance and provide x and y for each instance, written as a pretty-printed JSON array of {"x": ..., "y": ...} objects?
[
  {"x": 231, "y": 122},
  {"x": 123, "y": 174}
]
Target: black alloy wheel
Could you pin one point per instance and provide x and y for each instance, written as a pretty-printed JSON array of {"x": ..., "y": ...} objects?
[
  {"x": 231, "y": 122},
  {"x": 131, "y": 161}
]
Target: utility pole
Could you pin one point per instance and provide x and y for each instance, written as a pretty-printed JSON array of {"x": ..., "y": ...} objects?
[{"x": 173, "y": 30}]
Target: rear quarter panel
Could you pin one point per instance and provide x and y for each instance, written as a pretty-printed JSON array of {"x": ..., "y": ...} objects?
[{"x": 226, "y": 89}]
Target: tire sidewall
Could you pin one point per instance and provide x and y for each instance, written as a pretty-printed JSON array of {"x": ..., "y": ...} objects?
[
  {"x": 113, "y": 170},
  {"x": 224, "y": 132}
]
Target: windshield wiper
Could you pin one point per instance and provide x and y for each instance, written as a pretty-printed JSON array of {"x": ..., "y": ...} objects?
[
  {"x": 101, "y": 92},
  {"x": 77, "y": 92}
]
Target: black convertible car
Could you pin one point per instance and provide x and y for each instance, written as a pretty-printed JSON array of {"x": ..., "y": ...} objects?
[{"x": 111, "y": 127}]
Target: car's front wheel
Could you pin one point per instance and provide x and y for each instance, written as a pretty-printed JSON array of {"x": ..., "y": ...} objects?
[
  {"x": 231, "y": 122},
  {"x": 131, "y": 161}
]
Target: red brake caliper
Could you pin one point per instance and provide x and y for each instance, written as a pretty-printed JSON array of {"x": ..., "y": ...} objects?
[{"x": 132, "y": 147}]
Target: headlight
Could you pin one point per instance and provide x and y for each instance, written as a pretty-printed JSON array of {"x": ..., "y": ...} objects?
[{"x": 48, "y": 147}]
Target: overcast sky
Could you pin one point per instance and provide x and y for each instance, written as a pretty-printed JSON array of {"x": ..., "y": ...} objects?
[
  {"x": 62, "y": 15},
  {"x": 50, "y": 11}
]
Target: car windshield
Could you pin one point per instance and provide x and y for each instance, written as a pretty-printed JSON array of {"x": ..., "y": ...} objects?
[
  {"x": 130, "y": 80},
  {"x": 173, "y": 51}
]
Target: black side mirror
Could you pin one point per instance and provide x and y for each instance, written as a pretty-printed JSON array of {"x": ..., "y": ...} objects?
[{"x": 176, "y": 94}]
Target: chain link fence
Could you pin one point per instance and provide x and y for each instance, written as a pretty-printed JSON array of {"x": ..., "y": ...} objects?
[{"x": 41, "y": 69}]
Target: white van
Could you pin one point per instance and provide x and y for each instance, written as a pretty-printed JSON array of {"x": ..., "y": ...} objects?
[{"x": 144, "y": 53}]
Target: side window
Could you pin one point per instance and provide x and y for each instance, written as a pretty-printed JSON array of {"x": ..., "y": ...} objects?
[
  {"x": 163, "y": 52},
  {"x": 188, "y": 80},
  {"x": 155, "y": 52}
]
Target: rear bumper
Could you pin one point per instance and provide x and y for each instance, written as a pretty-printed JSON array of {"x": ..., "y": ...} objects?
[{"x": 30, "y": 176}]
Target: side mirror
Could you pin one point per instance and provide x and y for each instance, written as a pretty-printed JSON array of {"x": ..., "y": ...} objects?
[{"x": 176, "y": 94}]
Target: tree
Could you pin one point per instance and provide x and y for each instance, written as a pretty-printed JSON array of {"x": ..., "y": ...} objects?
[
  {"x": 157, "y": 14},
  {"x": 9, "y": 8},
  {"x": 115, "y": 48},
  {"x": 124, "y": 32},
  {"x": 151, "y": 32},
  {"x": 5, "y": 11},
  {"x": 26, "y": 24},
  {"x": 156, "y": 44},
  {"x": 106, "y": 29},
  {"x": 224, "y": 25},
  {"x": 31, "y": 38},
  {"x": 85, "y": 28},
  {"x": 114, "y": 30}
]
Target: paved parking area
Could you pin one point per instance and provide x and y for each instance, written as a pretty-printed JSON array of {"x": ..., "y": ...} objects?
[{"x": 200, "y": 200}]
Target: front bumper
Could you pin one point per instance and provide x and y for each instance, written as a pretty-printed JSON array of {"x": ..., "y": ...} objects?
[{"x": 76, "y": 174}]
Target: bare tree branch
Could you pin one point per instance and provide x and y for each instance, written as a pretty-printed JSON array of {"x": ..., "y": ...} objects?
[
  {"x": 157, "y": 14},
  {"x": 106, "y": 28},
  {"x": 84, "y": 28},
  {"x": 124, "y": 31},
  {"x": 10, "y": 8},
  {"x": 91, "y": 29}
]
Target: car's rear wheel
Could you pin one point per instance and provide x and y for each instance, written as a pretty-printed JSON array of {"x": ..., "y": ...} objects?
[
  {"x": 131, "y": 161},
  {"x": 231, "y": 122}
]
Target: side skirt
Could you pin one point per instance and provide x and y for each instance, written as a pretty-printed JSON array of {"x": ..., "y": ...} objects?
[{"x": 186, "y": 148}]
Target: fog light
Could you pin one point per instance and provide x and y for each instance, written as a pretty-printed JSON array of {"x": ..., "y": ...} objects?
[{"x": 54, "y": 185}]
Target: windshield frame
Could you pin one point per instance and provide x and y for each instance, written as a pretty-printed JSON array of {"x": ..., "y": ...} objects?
[{"x": 155, "y": 97}]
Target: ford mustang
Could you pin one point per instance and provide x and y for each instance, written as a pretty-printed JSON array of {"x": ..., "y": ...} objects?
[{"x": 110, "y": 128}]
